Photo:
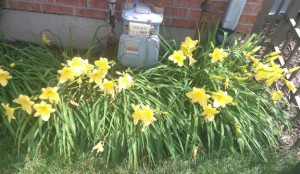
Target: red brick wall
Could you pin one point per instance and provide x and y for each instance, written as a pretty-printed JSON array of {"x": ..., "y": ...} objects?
[{"x": 178, "y": 13}]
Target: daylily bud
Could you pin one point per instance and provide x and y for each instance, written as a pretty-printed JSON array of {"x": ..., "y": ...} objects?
[
  {"x": 275, "y": 53},
  {"x": 256, "y": 49},
  {"x": 217, "y": 77},
  {"x": 294, "y": 69}
]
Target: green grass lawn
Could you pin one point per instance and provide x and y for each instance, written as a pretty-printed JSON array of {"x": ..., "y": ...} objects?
[{"x": 10, "y": 162}]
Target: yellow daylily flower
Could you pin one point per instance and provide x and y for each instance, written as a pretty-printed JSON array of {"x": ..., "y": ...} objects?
[
  {"x": 137, "y": 114},
  {"x": 103, "y": 64},
  {"x": 143, "y": 113},
  {"x": 99, "y": 147},
  {"x": 273, "y": 79},
  {"x": 107, "y": 86},
  {"x": 178, "y": 57},
  {"x": 188, "y": 47},
  {"x": 80, "y": 66},
  {"x": 221, "y": 98},
  {"x": 276, "y": 95},
  {"x": 209, "y": 112},
  {"x": 125, "y": 82},
  {"x": 4, "y": 77},
  {"x": 45, "y": 39},
  {"x": 218, "y": 55},
  {"x": 96, "y": 76},
  {"x": 25, "y": 103},
  {"x": 43, "y": 110},
  {"x": 66, "y": 74},
  {"x": 262, "y": 71},
  {"x": 50, "y": 94},
  {"x": 198, "y": 95},
  {"x": 148, "y": 116},
  {"x": 290, "y": 85},
  {"x": 9, "y": 112}
]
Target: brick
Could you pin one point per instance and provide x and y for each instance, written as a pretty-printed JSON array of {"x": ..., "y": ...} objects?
[
  {"x": 5, "y": 3},
  {"x": 244, "y": 28},
  {"x": 57, "y": 9},
  {"x": 99, "y": 4},
  {"x": 215, "y": 16},
  {"x": 218, "y": 6},
  {"x": 80, "y": 3},
  {"x": 189, "y": 3},
  {"x": 91, "y": 13},
  {"x": 153, "y": 2},
  {"x": 194, "y": 13},
  {"x": 175, "y": 12},
  {"x": 28, "y": 6},
  {"x": 252, "y": 9},
  {"x": 39, "y": 1},
  {"x": 184, "y": 23},
  {"x": 256, "y": 1},
  {"x": 247, "y": 19}
]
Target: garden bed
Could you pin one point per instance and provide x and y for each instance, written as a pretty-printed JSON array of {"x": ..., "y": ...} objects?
[{"x": 198, "y": 101}]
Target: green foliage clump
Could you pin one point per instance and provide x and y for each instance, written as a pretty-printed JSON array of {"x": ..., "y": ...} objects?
[{"x": 144, "y": 114}]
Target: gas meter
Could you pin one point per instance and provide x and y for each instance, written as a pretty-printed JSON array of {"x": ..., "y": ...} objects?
[{"x": 139, "y": 41}]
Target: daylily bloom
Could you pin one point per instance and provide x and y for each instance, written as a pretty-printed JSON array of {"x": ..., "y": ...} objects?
[
  {"x": 273, "y": 79},
  {"x": 99, "y": 147},
  {"x": 178, "y": 57},
  {"x": 80, "y": 66},
  {"x": 108, "y": 86},
  {"x": 103, "y": 64},
  {"x": 45, "y": 39},
  {"x": 218, "y": 55},
  {"x": 96, "y": 76},
  {"x": 148, "y": 116},
  {"x": 209, "y": 112},
  {"x": 125, "y": 82},
  {"x": 66, "y": 74},
  {"x": 188, "y": 47},
  {"x": 4, "y": 77},
  {"x": 221, "y": 98},
  {"x": 262, "y": 71},
  {"x": 276, "y": 95},
  {"x": 25, "y": 103},
  {"x": 43, "y": 110},
  {"x": 50, "y": 94},
  {"x": 9, "y": 112},
  {"x": 143, "y": 113},
  {"x": 198, "y": 95},
  {"x": 137, "y": 114},
  {"x": 290, "y": 85}
]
